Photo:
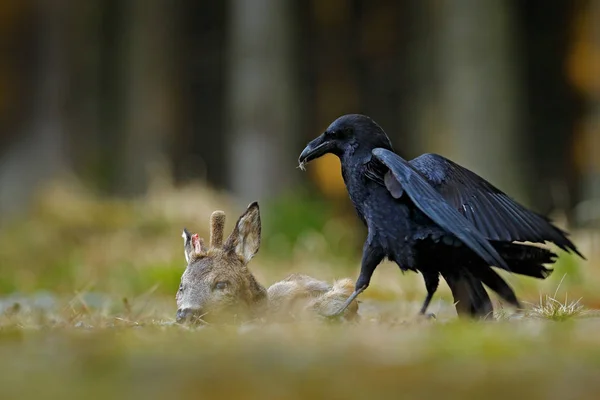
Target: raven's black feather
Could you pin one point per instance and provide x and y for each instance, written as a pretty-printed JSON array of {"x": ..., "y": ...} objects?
[
  {"x": 430, "y": 202},
  {"x": 494, "y": 213},
  {"x": 434, "y": 216}
]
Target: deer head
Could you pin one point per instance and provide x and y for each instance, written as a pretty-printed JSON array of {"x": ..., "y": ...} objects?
[{"x": 217, "y": 284}]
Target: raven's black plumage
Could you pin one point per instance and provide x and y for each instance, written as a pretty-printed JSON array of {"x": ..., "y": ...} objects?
[{"x": 433, "y": 216}]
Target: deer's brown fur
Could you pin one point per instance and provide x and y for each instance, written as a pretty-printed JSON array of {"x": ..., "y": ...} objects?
[
  {"x": 300, "y": 296},
  {"x": 217, "y": 283}
]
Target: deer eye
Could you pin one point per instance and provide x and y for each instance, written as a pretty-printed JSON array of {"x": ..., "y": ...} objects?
[
  {"x": 180, "y": 288},
  {"x": 221, "y": 285}
]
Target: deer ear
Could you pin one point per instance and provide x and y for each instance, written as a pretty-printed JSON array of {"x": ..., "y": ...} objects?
[
  {"x": 186, "y": 236},
  {"x": 187, "y": 244},
  {"x": 245, "y": 238},
  {"x": 193, "y": 245}
]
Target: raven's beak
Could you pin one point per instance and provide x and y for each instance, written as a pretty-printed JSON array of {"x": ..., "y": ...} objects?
[{"x": 315, "y": 149}]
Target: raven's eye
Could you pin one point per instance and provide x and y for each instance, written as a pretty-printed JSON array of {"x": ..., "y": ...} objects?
[
  {"x": 337, "y": 134},
  {"x": 221, "y": 285}
]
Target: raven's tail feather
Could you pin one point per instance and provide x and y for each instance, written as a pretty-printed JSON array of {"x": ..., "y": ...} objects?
[
  {"x": 469, "y": 295},
  {"x": 526, "y": 260},
  {"x": 467, "y": 288},
  {"x": 495, "y": 282}
]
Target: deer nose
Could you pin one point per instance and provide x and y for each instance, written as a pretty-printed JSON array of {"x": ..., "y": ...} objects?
[{"x": 185, "y": 314}]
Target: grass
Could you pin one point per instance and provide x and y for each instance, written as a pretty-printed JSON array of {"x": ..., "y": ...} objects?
[
  {"x": 87, "y": 311},
  {"x": 102, "y": 356},
  {"x": 552, "y": 309}
]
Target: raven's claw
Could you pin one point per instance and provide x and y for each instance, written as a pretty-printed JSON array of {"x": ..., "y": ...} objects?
[{"x": 347, "y": 302}]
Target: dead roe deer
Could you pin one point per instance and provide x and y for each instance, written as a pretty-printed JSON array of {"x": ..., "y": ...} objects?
[{"x": 218, "y": 286}]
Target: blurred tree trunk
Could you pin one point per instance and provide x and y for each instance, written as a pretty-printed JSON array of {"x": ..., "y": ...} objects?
[
  {"x": 262, "y": 98},
  {"x": 149, "y": 98},
  {"x": 377, "y": 35},
  {"x": 589, "y": 210},
  {"x": 420, "y": 84},
  {"x": 594, "y": 110},
  {"x": 197, "y": 151},
  {"x": 479, "y": 92},
  {"x": 95, "y": 105},
  {"x": 552, "y": 102},
  {"x": 38, "y": 154},
  {"x": 335, "y": 82}
]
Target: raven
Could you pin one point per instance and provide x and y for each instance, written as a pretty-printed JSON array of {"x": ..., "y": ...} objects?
[{"x": 433, "y": 216}]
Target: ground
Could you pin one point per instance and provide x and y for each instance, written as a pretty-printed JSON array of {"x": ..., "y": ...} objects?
[{"x": 88, "y": 311}]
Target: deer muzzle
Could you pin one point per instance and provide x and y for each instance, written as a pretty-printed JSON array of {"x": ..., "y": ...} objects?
[{"x": 186, "y": 315}]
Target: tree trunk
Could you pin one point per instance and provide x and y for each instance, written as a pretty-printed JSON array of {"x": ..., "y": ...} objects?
[
  {"x": 39, "y": 154},
  {"x": 420, "y": 92},
  {"x": 589, "y": 210},
  {"x": 149, "y": 96},
  {"x": 262, "y": 98},
  {"x": 479, "y": 92}
]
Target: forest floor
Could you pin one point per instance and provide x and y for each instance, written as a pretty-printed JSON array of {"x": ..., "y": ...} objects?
[{"x": 87, "y": 311}]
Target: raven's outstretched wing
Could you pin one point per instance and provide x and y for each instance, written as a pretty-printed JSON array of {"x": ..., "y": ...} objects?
[
  {"x": 494, "y": 214},
  {"x": 402, "y": 176}
]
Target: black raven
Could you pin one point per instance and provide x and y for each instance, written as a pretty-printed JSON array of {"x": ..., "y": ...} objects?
[{"x": 433, "y": 216}]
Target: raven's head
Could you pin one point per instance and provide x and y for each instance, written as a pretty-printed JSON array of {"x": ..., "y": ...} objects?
[{"x": 346, "y": 135}]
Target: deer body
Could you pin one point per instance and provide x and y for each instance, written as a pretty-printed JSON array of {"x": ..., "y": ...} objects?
[
  {"x": 217, "y": 284},
  {"x": 304, "y": 296}
]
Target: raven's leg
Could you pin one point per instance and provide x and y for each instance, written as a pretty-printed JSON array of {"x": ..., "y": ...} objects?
[
  {"x": 432, "y": 279},
  {"x": 470, "y": 297},
  {"x": 371, "y": 258}
]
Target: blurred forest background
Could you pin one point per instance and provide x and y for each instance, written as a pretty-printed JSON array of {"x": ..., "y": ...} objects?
[
  {"x": 123, "y": 121},
  {"x": 138, "y": 101}
]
